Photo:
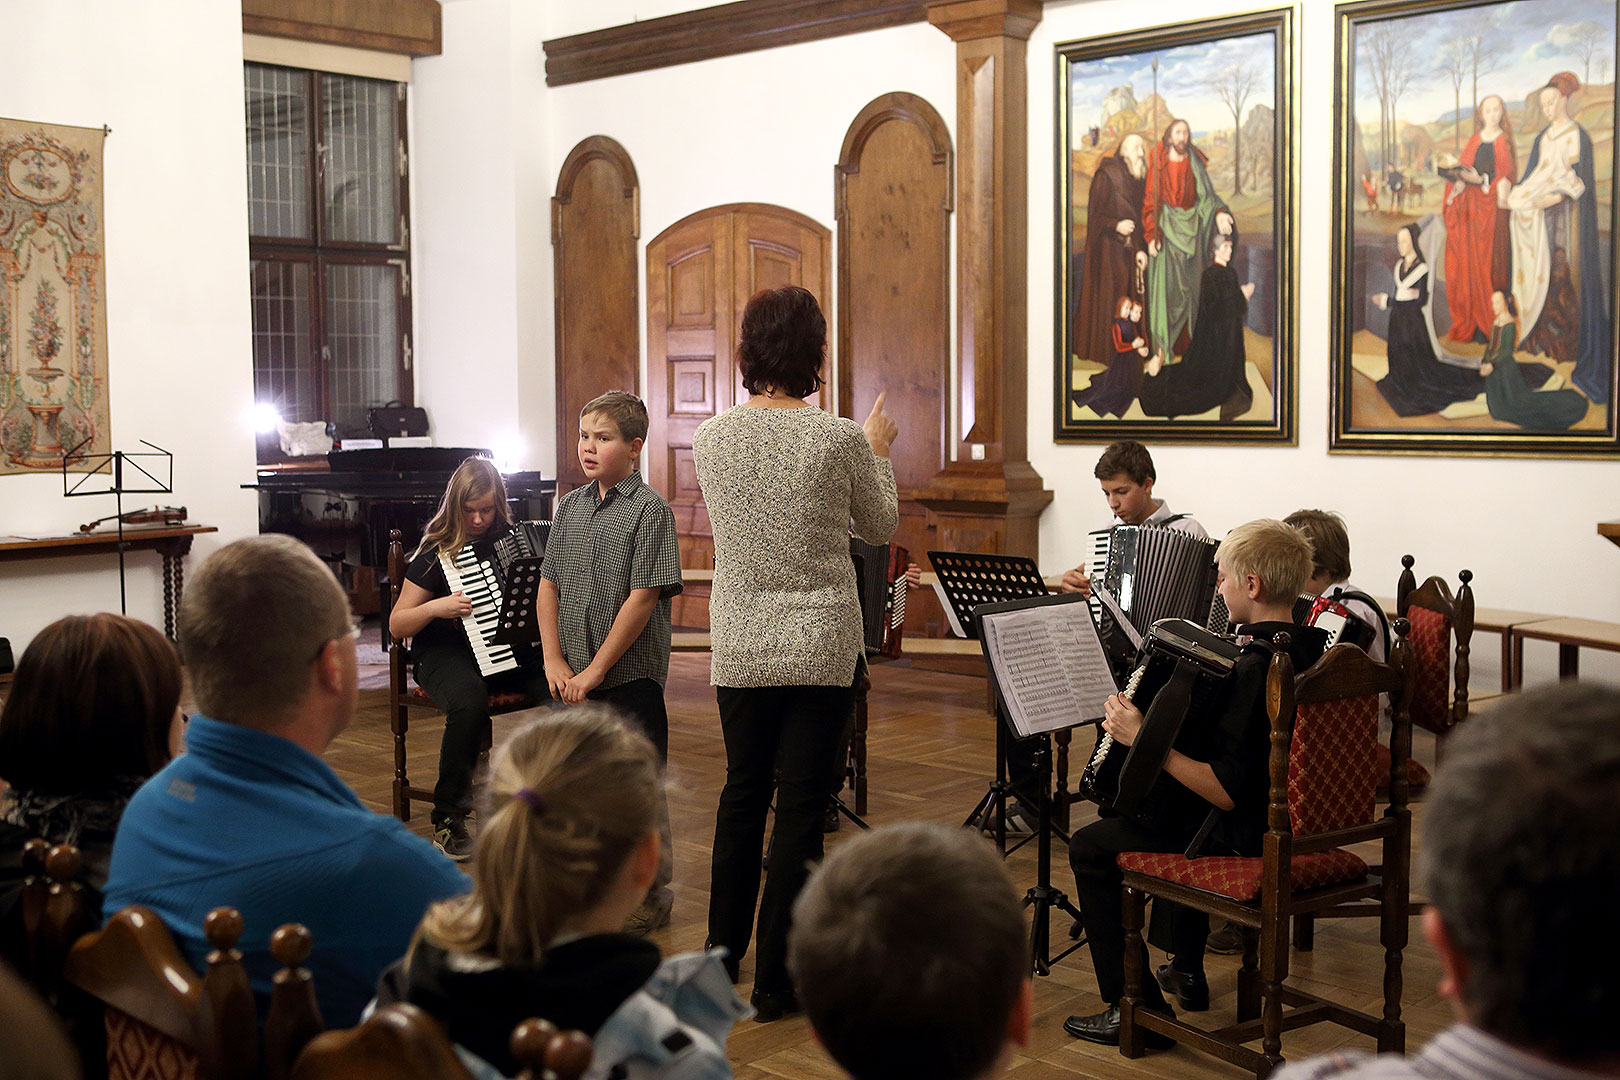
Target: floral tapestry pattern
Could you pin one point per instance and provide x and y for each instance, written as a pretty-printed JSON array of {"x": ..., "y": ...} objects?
[{"x": 53, "y": 310}]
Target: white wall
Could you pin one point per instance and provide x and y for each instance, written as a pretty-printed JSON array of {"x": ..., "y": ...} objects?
[
  {"x": 768, "y": 127},
  {"x": 166, "y": 75}
]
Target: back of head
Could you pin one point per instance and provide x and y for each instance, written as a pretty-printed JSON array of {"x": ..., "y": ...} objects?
[
  {"x": 1522, "y": 860},
  {"x": 91, "y": 704},
  {"x": 782, "y": 342},
  {"x": 253, "y": 621},
  {"x": 908, "y": 950},
  {"x": 1278, "y": 554},
  {"x": 628, "y": 413},
  {"x": 1330, "y": 542},
  {"x": 1126, "y": 456},
  {"x": 570, "y": 796}
]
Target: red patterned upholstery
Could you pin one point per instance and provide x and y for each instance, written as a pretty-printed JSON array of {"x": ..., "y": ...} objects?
[
  {"x": 1239, "y": 878},
  {"x": 1431, "y": 669},
  {"x": 1416, "y": 775},
  {"x": 498, "y": 702},
  {"x": 1330, "y": 765},
  {"x": 138, "y": 1051}
]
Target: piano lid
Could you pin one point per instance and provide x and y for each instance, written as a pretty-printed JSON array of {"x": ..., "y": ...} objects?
[{"x": 402, "y": 459}]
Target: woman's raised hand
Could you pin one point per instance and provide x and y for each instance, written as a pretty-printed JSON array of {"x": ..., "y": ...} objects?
[{"x": 880, "y": 427}]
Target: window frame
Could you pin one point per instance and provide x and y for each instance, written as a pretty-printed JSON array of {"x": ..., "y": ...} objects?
[{"x": 320, "y": 252}]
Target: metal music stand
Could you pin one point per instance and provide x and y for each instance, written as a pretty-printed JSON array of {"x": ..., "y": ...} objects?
[
  {"x": 968, "y": 581},
  {"x": 1041, "y": 896},
  {"x": 126, "y": 470}
]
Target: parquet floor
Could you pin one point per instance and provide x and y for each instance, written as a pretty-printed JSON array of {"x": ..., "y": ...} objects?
[{"x": 931, "y": 752}]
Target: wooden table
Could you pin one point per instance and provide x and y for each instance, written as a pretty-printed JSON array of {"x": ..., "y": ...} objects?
[
  {"x": 1571, "y": 635},
  {"x": 170, "y": 541},
  {"x": 1611, "y": 529}
]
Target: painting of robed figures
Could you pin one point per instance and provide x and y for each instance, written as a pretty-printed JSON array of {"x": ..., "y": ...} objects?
[
  {"x": 1175, "y": 273},
  {"x": 1474, "y": 262}
]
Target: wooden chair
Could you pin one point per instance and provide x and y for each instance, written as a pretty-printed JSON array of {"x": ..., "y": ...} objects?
[
  {"x": 294, "y": 1018},
  {"x": 1439, "y": 676},
  {"x": 1324, "y": 728},
  {"x": 401, "y": 1042},
  {"x": 163, "y": 1020},
  {"x": 403, "y": 696},
  {"x": 54, "y": 912}
]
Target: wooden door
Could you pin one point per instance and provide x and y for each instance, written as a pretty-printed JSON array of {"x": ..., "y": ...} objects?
[{"x": 700, "y": 273}]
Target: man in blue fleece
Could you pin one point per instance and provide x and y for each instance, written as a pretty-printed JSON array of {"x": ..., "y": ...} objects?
[{"x": 250, "y": 816}]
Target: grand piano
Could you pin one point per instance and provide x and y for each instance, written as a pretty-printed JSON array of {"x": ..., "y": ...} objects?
[{"x": 345, "y": 510}]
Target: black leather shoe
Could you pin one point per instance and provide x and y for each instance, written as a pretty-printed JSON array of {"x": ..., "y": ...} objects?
[
  {"x": 1104, "y": 1028},
  {"x": 772, "y": 1007},
  {"x": 1191, "y": 991}
]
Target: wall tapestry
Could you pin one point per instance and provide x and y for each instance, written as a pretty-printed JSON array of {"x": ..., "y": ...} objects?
[
  {"x": 1474, "y": 220},
  {"x": 1176, "y": 177},
  {"x": 53, "y": 309}
]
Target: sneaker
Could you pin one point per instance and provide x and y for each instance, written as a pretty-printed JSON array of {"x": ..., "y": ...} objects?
[
  {"x": 1227, "y": 941},
  {"x": 653, "y": 914},
  {"x": 451, "y": 836}
]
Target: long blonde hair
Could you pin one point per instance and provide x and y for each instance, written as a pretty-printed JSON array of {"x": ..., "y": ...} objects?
[
  {"x": 473, "y": 479},
  {"x": 571, "y": 795}
]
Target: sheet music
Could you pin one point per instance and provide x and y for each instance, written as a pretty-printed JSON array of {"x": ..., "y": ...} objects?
[
  {"x": 1049, "y": 664},
  {"x": 950, "y": 612},
  {"x": 1101, "y": 591}
]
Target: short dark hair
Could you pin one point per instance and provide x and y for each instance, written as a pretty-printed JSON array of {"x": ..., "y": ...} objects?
[
  {"x": 92, "y": 702},
  {"x": 628, "y": 413},
  {"x": 783, "y": 342},
  {"x": 1330, "y": 542},
  {"x": 1520, "y": 853},
  {"x": 1126, "y": 456},
  {"x": 908, "y": 951}
]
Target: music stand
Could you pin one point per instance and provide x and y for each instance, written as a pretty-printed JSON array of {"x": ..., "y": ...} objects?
[
  {"x": 969, "y": 580},
  {"x": 1042, "y": 896},
  {"x": 113, "y": 464}
]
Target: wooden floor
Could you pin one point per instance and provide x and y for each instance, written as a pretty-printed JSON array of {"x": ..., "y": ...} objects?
[{"x": 931, "y": 752}]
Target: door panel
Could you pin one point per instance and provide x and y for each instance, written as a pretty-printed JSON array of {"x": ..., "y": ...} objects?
[{"x": 700, "y": 273}]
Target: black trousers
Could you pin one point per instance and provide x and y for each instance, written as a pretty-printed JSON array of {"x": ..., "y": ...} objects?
[
  {"x": 642, "y": 702},
  {"x": 1098, "y": 885},
  {"x": 789, "y": 737},
  {"x": 450, "y": 676}
]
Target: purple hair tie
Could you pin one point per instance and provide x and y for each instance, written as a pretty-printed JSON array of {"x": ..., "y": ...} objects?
[{"x": 535, "y": 800}]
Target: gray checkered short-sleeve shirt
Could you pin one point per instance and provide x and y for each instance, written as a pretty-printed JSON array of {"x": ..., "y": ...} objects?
[{"x": 598, "y": 552}]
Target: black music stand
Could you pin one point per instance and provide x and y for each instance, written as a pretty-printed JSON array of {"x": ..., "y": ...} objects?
[
  {"x": 122, "y": 466},
  {"x": 1042, "y": 896},
  {"x": 970, "y": 580}
]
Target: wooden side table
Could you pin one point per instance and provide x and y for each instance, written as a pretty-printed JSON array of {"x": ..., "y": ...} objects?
[{"x": 1571, "y": 635}]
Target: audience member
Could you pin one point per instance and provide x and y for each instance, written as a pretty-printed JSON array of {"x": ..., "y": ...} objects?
[
  {"x": 1521, "y": 862},
  {"x": 569, "y": 848},
  {"x": 93, "y": 711},
  {"x": 250, "y": 816},
  {"x": 909, "y": 952}
]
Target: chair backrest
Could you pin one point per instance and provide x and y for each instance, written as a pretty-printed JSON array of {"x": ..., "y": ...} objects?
[
  {"x": 162, "y": 1017},
  {"x": 397, "y": 1042},
  {"x": 1325, "y": 735},
  {"x": 294, "y": 1017},
  {"x": 1437, "y": 617},
  {"x": 54, "y": 912}
]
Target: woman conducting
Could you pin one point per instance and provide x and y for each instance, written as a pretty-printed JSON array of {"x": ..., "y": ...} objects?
[{"x": 783, "y": 480}]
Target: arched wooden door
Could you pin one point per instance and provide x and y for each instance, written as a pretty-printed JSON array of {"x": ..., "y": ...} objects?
[{"x": 700, "y": 273}]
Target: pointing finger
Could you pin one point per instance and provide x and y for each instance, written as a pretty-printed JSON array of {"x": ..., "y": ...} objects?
[{"x": 877, "y": 406}]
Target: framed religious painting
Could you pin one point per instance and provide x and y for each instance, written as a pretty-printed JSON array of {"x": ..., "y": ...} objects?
[
  {"x": 1474, "y": 223},
  {"x": 1175, "y": 279}
]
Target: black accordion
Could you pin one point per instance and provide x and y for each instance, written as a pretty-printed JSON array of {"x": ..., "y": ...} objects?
[
  {"x": 880, "y": 578},
  {"x": 1181, "y": 669}
]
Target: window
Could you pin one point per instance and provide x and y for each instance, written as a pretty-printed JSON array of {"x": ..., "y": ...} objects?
[{"x": 329, "y": 270}]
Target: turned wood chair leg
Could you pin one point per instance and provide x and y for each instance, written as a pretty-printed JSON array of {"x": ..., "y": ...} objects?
[
  {"x": 1248, "y": 1002},
  {"x": 1132, "y": 1039}
]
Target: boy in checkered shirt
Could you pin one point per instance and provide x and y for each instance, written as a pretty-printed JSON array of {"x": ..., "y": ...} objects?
[{"x": 611, "y": 566}]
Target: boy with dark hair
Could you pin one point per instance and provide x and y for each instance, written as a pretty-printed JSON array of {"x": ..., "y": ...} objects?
[
  {"x": 1126, "y": 473},
  {"x": 1528, "y": 856},
  {"x": 1219, "y": 762},
  {"x": 1330, "y": 573},
  {"x": 909, "y": 953},
  {"x": 612, "y": 564}
]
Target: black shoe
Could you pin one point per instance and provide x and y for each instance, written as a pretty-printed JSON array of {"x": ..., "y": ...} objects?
[
  {"x": 1104, "y": 1028},
  {"x": 1227, "y": 941},
  {"x": 451, "y": 836},
  {"x": 830, "y": 823},
  {"x": 1191, "y": 991},
  {"x": 769, "y": 1008}
]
